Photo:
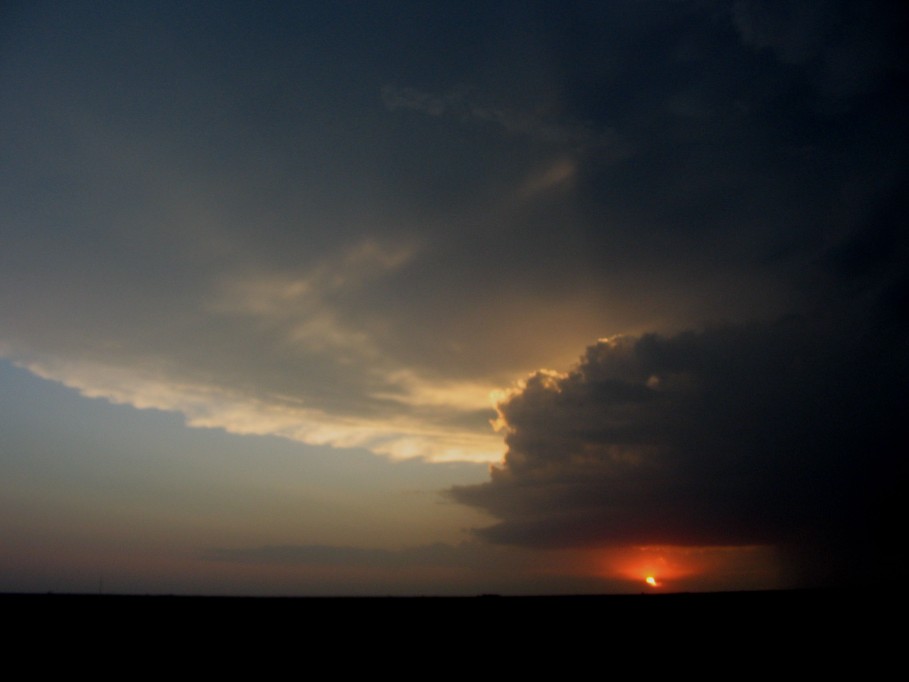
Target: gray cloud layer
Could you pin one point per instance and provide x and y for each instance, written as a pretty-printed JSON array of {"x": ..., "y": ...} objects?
[{"x": 331, "y": 555}]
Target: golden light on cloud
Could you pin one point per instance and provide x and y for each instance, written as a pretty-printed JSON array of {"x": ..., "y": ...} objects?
[{"x": 213, "y": 407}]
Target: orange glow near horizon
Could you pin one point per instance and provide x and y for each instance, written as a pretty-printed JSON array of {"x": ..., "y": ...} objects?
[{"x": 678, "y": 568}]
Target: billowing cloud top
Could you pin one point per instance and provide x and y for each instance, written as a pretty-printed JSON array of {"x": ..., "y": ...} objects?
[{"x": 780, "y": 434}]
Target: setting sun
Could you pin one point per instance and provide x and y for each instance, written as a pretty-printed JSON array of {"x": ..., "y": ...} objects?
[{"x": 670, "y": 568}]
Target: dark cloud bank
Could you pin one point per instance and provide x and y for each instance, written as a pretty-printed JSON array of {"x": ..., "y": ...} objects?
[{"x": 788, "y": 433}]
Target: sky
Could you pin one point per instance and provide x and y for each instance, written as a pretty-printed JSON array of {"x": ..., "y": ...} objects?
[{"x": 451, "y": 298}]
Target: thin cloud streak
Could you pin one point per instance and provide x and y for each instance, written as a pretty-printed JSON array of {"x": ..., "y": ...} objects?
[{"x": 461, "y": 104}]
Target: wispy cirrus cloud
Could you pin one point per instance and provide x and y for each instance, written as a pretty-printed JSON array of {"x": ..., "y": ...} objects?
[{"x": 466, "y": 105}]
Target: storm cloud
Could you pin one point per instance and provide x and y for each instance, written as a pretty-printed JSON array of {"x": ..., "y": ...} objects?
[{"x": 783, "y": 433}]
